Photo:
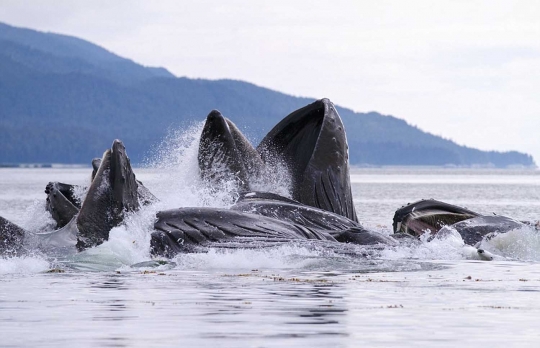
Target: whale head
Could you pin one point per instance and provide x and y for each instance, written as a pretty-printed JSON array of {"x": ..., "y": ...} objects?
[
  {"x": 312, "y": 143},
  {"x": 111, "y": 195},
  {"x": 225, "y": 153}
]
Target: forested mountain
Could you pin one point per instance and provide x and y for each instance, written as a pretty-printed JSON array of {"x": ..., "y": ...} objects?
[{"x": 63, "y": 100}]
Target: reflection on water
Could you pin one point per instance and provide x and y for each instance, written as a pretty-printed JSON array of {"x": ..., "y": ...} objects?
[
  {"x": 110, "y": 282},
  {"x": 458, "y": 301}
]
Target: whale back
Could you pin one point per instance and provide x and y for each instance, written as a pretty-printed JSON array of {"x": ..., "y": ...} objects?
[
  {"x": 473, "y": 230},
  {"x": 179, "y": 230},
  {"x": 278, "y": 207},
  {"x": 312, "y": 143}
]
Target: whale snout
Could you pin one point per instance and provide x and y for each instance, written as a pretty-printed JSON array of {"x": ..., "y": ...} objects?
[{"x": 213, "y": 115}]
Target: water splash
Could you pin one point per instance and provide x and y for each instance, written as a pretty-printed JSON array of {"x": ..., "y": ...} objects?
[
  {"x": 519, "y": 244},
  {"x": 283, "y": 257},
  {"x": 177, "y": 181},
  {"x": 23, "y": 265},
  {"x": 37, "y": 218},
  {"x": 274, "y": 178},
  {"x": 174, "y": 179}
]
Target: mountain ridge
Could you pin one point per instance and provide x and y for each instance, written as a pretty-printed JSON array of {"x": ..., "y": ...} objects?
[{"x": 69, "y": 107}]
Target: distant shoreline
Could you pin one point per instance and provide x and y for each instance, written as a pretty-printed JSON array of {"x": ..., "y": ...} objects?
[
  {"x": 446, "y": 166},
  {"x": 353, "y": 167},
  {"x": 43, "y": 165}
]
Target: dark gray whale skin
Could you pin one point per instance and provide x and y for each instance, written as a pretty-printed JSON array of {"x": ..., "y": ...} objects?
[
  {"x": 61, "y": 202},
  {"x": 441, "y": 218},
  {"x": 11, "y": 238},
  {"x": 282, "y": 208},
  {"x": 312, "y": 143},
  {"x": 180, "y": 229},
  {"x": 257, "y": 216},
  {"x": 226, "y": 154},
  {"x": 112, "y": 194},
  {"x": 341, "y": 228},
  {"x": 475, "y": 229},
  {"x": 428, "y": 214}
]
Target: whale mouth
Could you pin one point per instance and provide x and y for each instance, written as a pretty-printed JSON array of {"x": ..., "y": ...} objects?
[
  {"x": 296, "y": 134},
  {"x": 113, "y": 192},
  {"x": 429, "y": 214},
  {"x": 218, "y": 157},
  {"x": 226, "y": 155},
  {"x": 311, "y": 142},
  {"x": 62, "y": 202}
]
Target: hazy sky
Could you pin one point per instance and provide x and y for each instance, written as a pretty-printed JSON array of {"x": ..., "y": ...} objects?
[{"x": 466, "y": 70}]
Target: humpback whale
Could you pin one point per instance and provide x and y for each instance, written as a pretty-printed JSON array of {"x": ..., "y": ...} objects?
[
  {"x": 257, "y": 216},
  {"x": 428, "y": 214},
  {"x": 113, "y": 193},
  {"x": 179, "y": 229},
  {"x": 310, "y": 142},
  {"x": 11, "y": 238},
  {"x": 439, "y": 218}
]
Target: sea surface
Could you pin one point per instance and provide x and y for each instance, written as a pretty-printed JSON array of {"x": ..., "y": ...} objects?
[{"x": 435, "y": 294}]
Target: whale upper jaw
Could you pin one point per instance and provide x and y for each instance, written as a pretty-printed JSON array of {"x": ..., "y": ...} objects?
[
  {"x": 111, "y": 195},
  {"x": 218, "y": 156},
  {"x": 122, "y": 180},
  {"x": 225, "y": 154}
]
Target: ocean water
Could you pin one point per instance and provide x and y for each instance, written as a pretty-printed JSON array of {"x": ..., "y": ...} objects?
[{"x": 435, "y": 294}]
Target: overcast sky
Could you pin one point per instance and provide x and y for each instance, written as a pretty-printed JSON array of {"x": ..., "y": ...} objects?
[{"x": 466, "y": 70}]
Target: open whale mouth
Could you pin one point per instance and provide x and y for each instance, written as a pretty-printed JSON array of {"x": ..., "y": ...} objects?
[
  {"x": 62, "y": 202},
  {"x": 225, "y": 154},
  {"x": 218, "y": 156},
  {"x": 298, "y": 133},
  {"x": 429, "y": 214},
  {"x": 312, "y": 143}
]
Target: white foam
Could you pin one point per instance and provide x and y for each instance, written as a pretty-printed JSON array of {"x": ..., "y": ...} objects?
[
  {"x": 177, "y": 182},
  {"x": 449, "y": 246},
  {"x": 520, "y": 244},
  {"x": 37, "y": 218},
  {"x": 274, "y": 178},
  {"x": 282, "y": 257},
  {"x": 26, "y": 264}
]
